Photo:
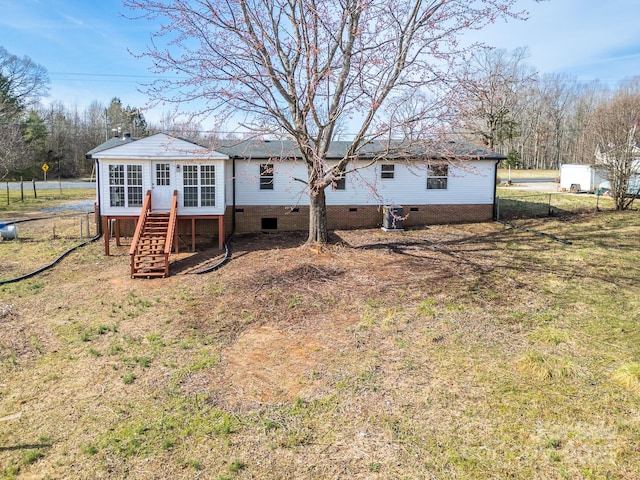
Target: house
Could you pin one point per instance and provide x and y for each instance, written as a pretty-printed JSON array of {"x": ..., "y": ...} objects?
[{"x": 253, "y": 186}]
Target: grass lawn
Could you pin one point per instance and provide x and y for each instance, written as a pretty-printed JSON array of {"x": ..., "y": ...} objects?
[
  {"x": 461, "y": 351},
  {"x": 503, "y": 174},
  {"x": 15, "y": 205}
]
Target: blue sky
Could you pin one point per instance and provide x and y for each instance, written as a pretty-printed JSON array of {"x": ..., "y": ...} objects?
[{"x": 84, "y": 44}]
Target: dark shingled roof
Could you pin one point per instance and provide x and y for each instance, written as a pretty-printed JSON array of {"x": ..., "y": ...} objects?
[
  {"x": 287, "y": 149},
  {"x": 112, "y": 142},
  {"x": 266, "y": 149}
]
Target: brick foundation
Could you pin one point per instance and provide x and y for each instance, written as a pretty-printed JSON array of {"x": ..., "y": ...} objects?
[{"x": 251, "y": 219}]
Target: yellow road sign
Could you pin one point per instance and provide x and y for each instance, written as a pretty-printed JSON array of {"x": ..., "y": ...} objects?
[{"x": 45, "y": 167}]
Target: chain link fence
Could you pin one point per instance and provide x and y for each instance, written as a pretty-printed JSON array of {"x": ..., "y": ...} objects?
[{"x": 512, "y": 207}]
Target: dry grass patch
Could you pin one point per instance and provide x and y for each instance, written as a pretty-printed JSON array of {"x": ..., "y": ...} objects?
[
  {"x": 628, "y": 377},
  {"x": 468, "y": 351}
]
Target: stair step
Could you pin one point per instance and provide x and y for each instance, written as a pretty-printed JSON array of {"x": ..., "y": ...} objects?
[{"x": 149, "y": 259}]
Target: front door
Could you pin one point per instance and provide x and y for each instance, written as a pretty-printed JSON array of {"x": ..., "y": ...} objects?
[{"x": 161, "y": 188}]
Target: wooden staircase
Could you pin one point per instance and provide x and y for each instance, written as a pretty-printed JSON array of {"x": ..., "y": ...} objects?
[{"x": 153, "y": 240}]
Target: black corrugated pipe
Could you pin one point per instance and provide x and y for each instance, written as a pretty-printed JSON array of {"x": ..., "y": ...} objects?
[
  {"x": 47, "y": 267},
  {"x": 227, "y": 248}
]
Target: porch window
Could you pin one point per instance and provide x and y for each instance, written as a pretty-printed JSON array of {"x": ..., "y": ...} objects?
[
  {"x": 134, "y": 185},
  {"x": 266, "y": 176},
  {"x": 340, "y": 183},
  {"x": 437, "y": 176},
  {"x": 208, "y": 185},
  {"x": 116, "y": 185},
  {"x": 190, "y": 181},
  {"x": 199, "y": 185},
  {"x": 125, "y": 185}
]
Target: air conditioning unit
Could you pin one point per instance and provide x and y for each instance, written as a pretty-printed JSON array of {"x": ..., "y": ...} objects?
[{"x": 392, "y": 218}]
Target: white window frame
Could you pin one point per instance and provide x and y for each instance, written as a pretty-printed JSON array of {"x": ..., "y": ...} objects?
[
  {"x": 437, "y": 176},
  {"x": 266, "y": 176},
  {"x": 205, "y": 193},
  {"x": 125, "y": 187},
  {"x": 387, "y": 171}
]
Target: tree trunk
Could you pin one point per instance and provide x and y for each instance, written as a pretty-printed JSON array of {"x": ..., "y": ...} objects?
[{"x": 318, "y": 232}]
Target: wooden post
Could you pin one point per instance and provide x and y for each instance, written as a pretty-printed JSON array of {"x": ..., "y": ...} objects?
[
  {"x": 106, "y": 233},
  {"x": 117, "y": 229},
  {"x": 193, "y": 234},
  {"x": 220, "y": 232}
]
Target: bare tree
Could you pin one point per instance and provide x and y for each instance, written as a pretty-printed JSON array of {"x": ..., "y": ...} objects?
[
  {"x": 493, "y": 83},
  {"x": 300, "y": 67},
  {"x": 22, "y": 82},
  {"x": 614, "y": 133},
  {"x": 12, "y": 148}
]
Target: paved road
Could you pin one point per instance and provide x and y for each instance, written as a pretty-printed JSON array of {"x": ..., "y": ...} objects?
[
  {"x": 533, "y": 180},
  {"x": 548, "y": 185},
  {"x": 49, "y": 185}
]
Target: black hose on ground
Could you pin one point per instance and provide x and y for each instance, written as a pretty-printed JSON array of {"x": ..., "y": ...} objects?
[
  {"x": 227, "y": 256},
  {"x": 57, "y": 260},
  {"x": 47, "y": 267}
]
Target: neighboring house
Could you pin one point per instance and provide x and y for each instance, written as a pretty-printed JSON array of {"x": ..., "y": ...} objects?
[{"x": 253, "y": 186}]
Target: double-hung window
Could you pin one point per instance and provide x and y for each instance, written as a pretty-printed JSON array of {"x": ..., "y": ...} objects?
[
  {"x": 125, "y": 185},
  {"x": 266, "y": 176},
  {"x": 387, "y": 170},
  {"x": 437, "y": 176},
  {"x": 199, "y": 185}
]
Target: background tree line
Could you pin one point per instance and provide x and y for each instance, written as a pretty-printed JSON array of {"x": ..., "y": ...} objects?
[
  {"x": 538, "y": 121},
  {"x": 541, "y": 121},
  {"x": 59, "y": 135}
]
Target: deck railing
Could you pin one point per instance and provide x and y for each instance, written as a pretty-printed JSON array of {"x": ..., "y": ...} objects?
[{"x": 146, "y": 208}]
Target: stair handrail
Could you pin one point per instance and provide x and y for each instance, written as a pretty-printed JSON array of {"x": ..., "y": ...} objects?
[
  {"x": 146, "y": 208},
  {"x": 171, "y": 229}
]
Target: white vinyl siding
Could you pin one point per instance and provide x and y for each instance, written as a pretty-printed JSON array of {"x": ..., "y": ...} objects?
[{"x": 467, "y": 183}]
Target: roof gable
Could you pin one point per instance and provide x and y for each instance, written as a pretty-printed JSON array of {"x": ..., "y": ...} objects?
[{"x": 158, "y": 146}]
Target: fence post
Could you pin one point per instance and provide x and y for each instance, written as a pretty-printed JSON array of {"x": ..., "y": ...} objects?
[{"x": 35, "y": 193}]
